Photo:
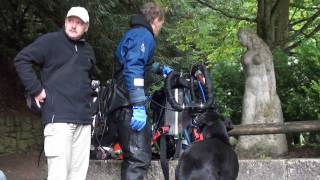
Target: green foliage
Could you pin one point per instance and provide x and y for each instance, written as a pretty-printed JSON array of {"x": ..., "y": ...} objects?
[
  {"x": 201, "y": 36},
  {"x": 206, "y": 34},
  {"x": 304, "y": 20},
  {"x": 228, "y": 88},
  {"x": 298, "y": 79}
]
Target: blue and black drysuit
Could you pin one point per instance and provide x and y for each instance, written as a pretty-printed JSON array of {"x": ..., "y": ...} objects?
[{"x": 133, "y": 69}]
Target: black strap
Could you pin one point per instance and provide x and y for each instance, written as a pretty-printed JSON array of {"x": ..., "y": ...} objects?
[
  {"x": 163, "y": 156},
  {"x": 40, "y": 153},
  {"x": 70, "y": 62},
  {"x": 178, "y": 149}
]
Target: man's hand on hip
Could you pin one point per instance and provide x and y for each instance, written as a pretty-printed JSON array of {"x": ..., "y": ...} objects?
[{"x": 40, "y": 98}]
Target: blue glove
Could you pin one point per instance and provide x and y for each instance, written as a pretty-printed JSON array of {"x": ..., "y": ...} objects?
[
  {"x": 139, "y": 118},
  {"x": 166, "y": 70}
]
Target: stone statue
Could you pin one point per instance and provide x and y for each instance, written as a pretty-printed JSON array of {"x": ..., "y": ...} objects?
[{"x": 261, "y": 103}]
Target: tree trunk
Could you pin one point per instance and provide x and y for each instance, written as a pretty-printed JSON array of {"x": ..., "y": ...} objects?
[{"x": 272, "y": 22}]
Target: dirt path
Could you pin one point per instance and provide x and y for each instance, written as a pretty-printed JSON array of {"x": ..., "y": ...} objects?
[{"x": 24, "y": 166}]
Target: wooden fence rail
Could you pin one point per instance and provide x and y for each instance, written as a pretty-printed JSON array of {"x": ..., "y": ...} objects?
[{"x": 276, "y": 128}]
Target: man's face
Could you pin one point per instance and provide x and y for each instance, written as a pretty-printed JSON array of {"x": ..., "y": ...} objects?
[
  {"x": 75, "y": 27},
  {"x": 156, "y": 26}
]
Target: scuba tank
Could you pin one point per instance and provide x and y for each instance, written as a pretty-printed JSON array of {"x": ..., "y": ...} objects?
[{"x": 176, "y": 120}]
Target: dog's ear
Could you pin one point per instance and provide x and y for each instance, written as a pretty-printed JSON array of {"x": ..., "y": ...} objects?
[
  {"x": 228, "y": 123},
  {"x": 209, "y": 117}
]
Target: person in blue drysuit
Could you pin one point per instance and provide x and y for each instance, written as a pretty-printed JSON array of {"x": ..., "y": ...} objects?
[{"x": 133, "y": 68}]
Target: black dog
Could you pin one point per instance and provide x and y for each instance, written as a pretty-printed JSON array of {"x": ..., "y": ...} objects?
[{"x": 210, "y": 159}]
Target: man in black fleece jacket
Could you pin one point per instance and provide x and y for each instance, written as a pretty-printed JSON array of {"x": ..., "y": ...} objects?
[{"x": 65, "y": 99}]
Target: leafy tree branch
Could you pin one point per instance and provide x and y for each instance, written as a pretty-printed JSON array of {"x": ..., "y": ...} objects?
[
  {"x": 221, "y": 11},
  {"x": 309, "y": 21}
]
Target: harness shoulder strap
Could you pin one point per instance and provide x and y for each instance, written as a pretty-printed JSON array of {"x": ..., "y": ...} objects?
[{"x": 64, "y": 66}]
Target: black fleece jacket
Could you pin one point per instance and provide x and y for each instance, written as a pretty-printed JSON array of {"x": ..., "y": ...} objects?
[{"x": 68, "y": 95}]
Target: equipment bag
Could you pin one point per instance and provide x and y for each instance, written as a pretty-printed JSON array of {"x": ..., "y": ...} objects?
[{"x": 113, "y": 97}]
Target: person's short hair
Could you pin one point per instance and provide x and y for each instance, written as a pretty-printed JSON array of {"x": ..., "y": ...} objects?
[{"x": 151, "y": 11}]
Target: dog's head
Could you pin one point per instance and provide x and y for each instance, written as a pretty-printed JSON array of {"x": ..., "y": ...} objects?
[{"x": 213, "y": 125}]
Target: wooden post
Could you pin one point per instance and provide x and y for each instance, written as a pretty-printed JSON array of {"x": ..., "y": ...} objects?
[{"x": 275, "y": 128}]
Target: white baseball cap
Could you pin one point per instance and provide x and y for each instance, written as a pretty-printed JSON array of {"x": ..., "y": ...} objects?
[{"x": 79, "y": 12}]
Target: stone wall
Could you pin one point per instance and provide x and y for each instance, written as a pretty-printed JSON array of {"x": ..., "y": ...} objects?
[
  {"x": 19, "y": 132},
  {"x": 274, "y": 169}
]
